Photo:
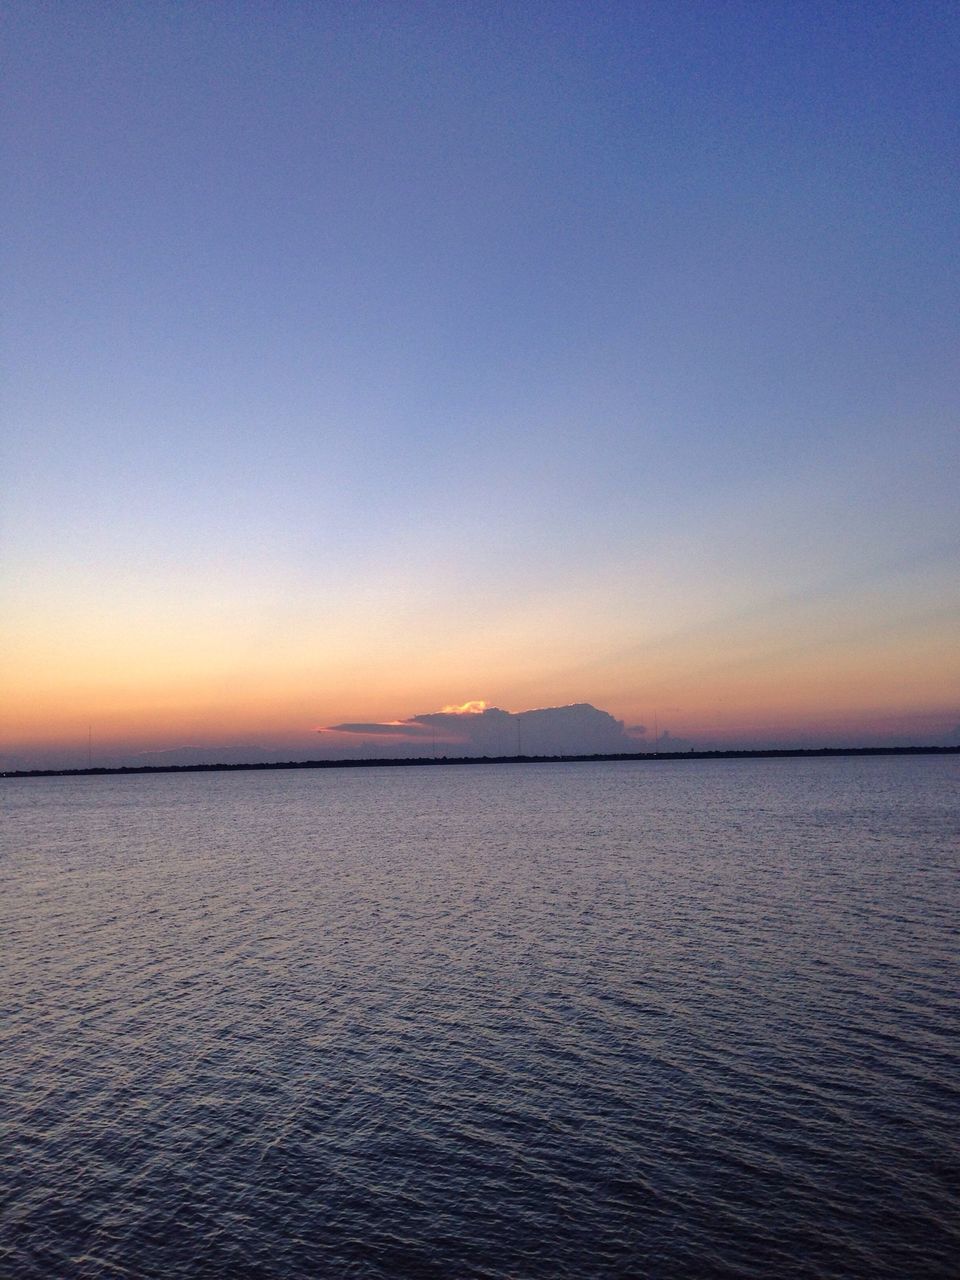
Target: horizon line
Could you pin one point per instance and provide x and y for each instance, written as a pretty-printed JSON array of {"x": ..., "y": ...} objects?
[{"x": 382, "y": 762}]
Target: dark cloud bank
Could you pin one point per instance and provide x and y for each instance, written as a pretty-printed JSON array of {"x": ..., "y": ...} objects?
[{"x": 575, "y": 730}]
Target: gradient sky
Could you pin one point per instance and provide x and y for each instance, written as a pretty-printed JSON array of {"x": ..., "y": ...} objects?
[{"x": 362, "y": 359}]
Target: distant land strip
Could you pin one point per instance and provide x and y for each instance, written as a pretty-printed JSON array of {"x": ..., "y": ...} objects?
[{"x": 407, "y": 762}]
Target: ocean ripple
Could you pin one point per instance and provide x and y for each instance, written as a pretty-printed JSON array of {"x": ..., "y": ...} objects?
[{"x": 600, "y": 1020}]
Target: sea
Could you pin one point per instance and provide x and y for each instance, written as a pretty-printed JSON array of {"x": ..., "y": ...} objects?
[{"x": 514, "y": 1022}]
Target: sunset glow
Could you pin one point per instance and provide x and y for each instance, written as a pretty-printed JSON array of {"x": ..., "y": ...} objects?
[{"x": 418, "y": 376}]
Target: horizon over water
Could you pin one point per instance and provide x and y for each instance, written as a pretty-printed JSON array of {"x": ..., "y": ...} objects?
[{"x": 592, "y": 1020}]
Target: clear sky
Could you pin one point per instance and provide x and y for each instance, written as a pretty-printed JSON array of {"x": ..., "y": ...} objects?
[{"x": 362, "y": 359}]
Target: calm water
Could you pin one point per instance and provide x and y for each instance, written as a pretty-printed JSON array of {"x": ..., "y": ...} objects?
[{"x": 667, "y": 1020}]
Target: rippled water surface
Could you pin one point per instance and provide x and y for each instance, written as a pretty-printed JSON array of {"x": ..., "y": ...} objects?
[{"x": 668, "y": 1020}]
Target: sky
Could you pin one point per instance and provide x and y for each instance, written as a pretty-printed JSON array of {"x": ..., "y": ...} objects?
[{"x": 363, "y": 360}]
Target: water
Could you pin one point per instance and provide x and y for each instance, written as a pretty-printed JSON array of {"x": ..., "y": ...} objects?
[{"x": 668, "y": 1020}]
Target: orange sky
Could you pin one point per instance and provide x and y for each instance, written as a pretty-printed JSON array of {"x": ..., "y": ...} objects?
[{"x": 148, "y": 672}]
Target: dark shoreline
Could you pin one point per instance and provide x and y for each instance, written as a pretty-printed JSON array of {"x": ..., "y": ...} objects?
[{"x": 405, "y": 762}]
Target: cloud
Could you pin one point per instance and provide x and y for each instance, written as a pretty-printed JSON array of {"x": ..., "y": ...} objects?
[
  {"x": 372, "y": 729},
  {"x": 473, "y": 728}
]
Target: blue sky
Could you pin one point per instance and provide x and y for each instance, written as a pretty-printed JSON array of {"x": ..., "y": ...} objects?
[{"x": 422, "y": 346}]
